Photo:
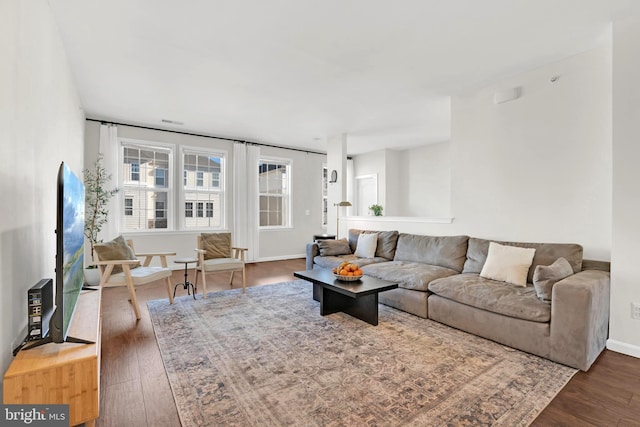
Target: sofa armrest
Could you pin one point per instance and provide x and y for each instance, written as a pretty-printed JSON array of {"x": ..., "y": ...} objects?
[
  {"x": 312, "y": 252},
  {"x": 580, "y": 318}
]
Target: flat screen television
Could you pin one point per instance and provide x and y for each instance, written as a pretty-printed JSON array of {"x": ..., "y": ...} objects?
[{"x": 69, "y": 256}]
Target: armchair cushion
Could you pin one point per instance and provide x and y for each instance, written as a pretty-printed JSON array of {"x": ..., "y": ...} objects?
[
  {"x": 115, "y": 250},
  {"x": 216, "y": 245},
  {"x": 140, "y": 276},
  {"x": 222, "y": 264}
]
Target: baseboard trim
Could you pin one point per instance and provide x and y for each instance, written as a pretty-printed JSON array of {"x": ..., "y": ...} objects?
[
  {"x": 280, "y": 258},
  {"x": 624, "y": 348}
]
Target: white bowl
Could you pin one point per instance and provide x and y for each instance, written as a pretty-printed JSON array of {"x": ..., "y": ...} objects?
[{"x": 348, "y": 278}]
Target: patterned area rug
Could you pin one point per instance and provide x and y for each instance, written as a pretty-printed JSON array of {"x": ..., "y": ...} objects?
[{"x": 267, "y": 358}]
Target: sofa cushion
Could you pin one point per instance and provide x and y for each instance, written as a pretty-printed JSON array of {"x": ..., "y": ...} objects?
[
  {"x": 408, "y": 275},
  {"x": 508, "y": 264},
  {"x": 328, "y": 247},
  {"x": 366, "y": 247},
  {"x": 493, "y": 296},
  {"x": 545, "y": 276},
  {"x": 387, "y": 241},
  {"x": 444, "y": 251},
  {"x": 546, "y": 253},
  {"x": 334, "y": 261}
]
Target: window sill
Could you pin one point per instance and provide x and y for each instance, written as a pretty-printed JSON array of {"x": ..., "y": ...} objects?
[{"x": 286, "y": 228}]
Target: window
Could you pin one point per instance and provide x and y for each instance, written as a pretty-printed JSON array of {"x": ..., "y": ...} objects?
[
  {"x": 160, "y": 210},
  {"x": 203, "y": 177},
  {"x": 325, "y": 183},
  {"x": 274, "y": 186},
  {"x": 147, "y": 182},
  {"x": 146, "y": 189},
  {"x": 135, "y": 171},
  {"x": 160, "y": 177},
  {"x": 128, "y": 206}
]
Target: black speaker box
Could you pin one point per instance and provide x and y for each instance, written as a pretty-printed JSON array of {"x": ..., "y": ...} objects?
[{"x": 39, "y": 309}]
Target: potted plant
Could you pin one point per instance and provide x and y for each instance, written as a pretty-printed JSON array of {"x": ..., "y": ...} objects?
[
  {"x": 376, "y": 209},
  {"x": 96, "y": 210}
]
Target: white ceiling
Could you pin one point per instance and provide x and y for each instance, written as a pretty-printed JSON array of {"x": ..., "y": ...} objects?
[{"x": 295, "y": 72}]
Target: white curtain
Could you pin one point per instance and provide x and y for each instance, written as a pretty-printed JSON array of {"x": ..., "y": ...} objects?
[
  {"x": 253, "y": 157},
  {"x": 239, "y": 226},
  {"x": 245, "y": 197},
  {"x": 109, "y": 149}
]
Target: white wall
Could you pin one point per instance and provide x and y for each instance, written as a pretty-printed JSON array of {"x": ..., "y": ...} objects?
[
  {"x": 414, "y": 182},
  {"x": 395, "y": 190},
  {"x": 538, "y": 168},
  {"x": 307, "y": 196},
  {"x": 41, "y": 125},
  {"x": 336, "y": 191},
  {"x": 274, "y": 244},
  {"x": 369, "y": 164},
  {"x": 426, "y": 181},
  {"x": 535, "y": 169},
  {"x": 624, "y": 331}
]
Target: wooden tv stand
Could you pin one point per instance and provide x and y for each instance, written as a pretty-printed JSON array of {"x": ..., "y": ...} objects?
[{"x": 63, "y": 373}]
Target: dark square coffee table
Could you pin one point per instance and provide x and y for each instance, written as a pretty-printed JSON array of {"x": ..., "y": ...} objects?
[{"x": 358, "y": 298}]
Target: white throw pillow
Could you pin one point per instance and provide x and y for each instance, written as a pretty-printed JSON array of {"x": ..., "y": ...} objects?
[
  {"x": 508, "y": 264},
  {"x": 367, "y": 244}
]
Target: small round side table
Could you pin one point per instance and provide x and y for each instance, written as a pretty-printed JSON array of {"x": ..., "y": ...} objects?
[{"x": 186, "y": 283}]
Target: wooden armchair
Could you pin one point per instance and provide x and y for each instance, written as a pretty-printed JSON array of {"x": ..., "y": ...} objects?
[
  {"x": 127, "y": 271},
  {"x": 216, "y": 255}
]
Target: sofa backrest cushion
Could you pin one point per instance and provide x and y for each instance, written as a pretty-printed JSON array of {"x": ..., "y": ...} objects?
[
  {"x": 444, "y": 251},
  {"x": 546, "y": 254},
  {"x": 328, "y": 247},
  {"x": 387, "y": 241}
]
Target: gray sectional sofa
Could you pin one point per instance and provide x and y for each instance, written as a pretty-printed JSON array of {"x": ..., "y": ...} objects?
[{"x": 439, "y": 278}]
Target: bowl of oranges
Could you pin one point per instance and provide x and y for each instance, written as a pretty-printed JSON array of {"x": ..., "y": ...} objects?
[{"x": 347, "y": 272}]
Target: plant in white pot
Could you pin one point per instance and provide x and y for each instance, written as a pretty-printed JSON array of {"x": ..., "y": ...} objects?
[
  {"x": 96, "y": 210},
  {"x": 376, "y": 209}
]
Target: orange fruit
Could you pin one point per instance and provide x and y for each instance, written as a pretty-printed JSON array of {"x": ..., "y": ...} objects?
[
  {"x": 343, "y": 272},
  {"x": 358, "y": 272},
  {"x": 349, "y": 273}
]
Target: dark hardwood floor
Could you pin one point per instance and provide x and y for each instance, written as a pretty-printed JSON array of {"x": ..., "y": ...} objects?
[{"x": 135, "y": 390}]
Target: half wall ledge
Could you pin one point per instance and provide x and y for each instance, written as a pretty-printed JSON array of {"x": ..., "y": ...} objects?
[{"x": 411, "y": 219}]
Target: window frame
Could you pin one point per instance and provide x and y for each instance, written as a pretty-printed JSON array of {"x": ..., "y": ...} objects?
[
  {"x": 288, "y": 215},
  {"x": 128, "y": 207},
  {"x": 221, "y": 191},
  {"x": 128, "y": 184},
  {"x": 137, "y": 172}
]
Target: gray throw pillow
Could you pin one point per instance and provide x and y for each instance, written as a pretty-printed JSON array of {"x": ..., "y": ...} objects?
[
  {"x": 115, "y": 250},
  {"x": 334, "y": 247},
  {"x": 545, "y": 276}
]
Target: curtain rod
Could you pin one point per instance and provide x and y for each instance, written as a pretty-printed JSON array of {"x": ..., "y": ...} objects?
[{"x": 107, "y": 122}]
